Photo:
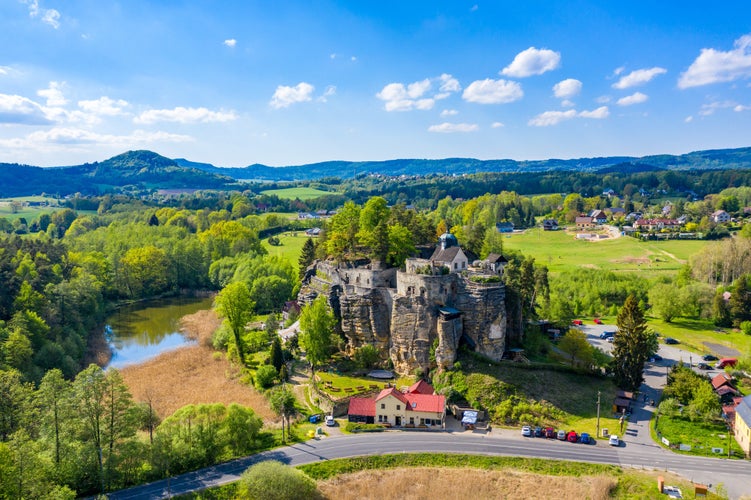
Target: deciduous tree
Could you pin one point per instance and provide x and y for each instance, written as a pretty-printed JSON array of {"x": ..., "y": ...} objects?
[
  {"x": 234, "y": 304},
  {"x": 316, "y": 325}
]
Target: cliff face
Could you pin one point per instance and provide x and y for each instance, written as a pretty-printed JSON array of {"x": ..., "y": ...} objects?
[{"x": 403, "y": 314}]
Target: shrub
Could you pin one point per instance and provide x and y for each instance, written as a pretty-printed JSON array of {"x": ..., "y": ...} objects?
[
  {"x": 358, "y": 427},
  {"x": 265, "y": 376},
  {"x": 746, "y": 327},
  {"x": 272, "y": 480}
]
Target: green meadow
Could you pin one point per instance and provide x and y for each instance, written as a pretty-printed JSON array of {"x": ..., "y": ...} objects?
[
  {"x": 561, "y": 251},
  {"x": 301, "y": 193},
  {"x": 290, "y": 247},
  {"x": 29, "y": 213}
]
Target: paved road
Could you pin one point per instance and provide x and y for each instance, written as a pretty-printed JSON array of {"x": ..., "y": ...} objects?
[{"x": 734, "y": 474}]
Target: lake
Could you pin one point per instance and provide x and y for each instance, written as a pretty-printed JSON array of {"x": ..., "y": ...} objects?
[{"x": 142, "y": 331}]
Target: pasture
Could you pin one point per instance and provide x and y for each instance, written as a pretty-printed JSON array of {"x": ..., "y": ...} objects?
[
  {"x": 29, "y": 213},
  {"x": 560, "y": 251},
  {"x": 300, "y": 193},
  {"x": 290, "y": 247}
]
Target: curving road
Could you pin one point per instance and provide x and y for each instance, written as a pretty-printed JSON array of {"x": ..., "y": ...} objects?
[{"x": 734, "y": 474}]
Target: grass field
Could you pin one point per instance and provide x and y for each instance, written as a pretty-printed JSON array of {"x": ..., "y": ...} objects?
[
  {"x": 699, "y": 335},
  {"x": 561, "y": 251},
  {"x": 291, "y": 245},
  {"x": 701, "y": 436},
  {"x": 301, "y": 193},
  {"x": 29, "y": 213}
]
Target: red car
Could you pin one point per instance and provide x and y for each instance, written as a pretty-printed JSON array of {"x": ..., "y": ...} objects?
[
  {"x": 598, "y": 321},
  {"x": 578, "y": 322},
  {"x": 550, "y": 433},
  {"x": 572, "y": 437}
]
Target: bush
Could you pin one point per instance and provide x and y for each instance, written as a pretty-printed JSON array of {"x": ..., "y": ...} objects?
[
  {"x": 272, "y": 480},
  {"x": 746, "y": 327},
  {"x": 358, "y": 427},
  {"x": 265, "y": 376}
]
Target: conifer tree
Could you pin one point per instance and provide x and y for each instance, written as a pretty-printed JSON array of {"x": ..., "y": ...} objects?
[{"x": 632, "y": 346}]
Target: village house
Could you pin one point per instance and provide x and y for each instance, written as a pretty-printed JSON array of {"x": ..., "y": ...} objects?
[
  {"x": 419, "y": 406},
  {"x": 742, "y": 426},
  {"x": 656, "y": 224},
  {"x": 449, "y": 254},
  {"x": 313, "y": 231},
  {"x": 599, "y": 217},
  {"x": 494, "y": 263},
  {"x": 550, "y": 225},
  {"x": 583, "y": 222},
  {"x": 720, "y": 217}
]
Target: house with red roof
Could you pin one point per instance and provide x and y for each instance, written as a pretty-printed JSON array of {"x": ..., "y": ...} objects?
[{"x": 419, "y": 406}]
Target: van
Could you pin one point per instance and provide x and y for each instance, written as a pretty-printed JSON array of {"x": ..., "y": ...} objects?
[{"x": 726, "y": 362}]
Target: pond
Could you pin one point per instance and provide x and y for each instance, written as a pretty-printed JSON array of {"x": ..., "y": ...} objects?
[{"x": 139, "y": 332}]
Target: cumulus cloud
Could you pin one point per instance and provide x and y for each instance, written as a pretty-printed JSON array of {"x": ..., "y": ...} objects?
[
  {"x": 497, "y": 125},
  {"x": 603, "y": 99},
  {"x": 15, "y": 109},
  {"x": 740, "y": 107},
  {"x": 285, "y": 96},
  {"x": 330, "y": 90},
  {"x": 532, "y": 61},
  {"x": 5, "y": 70},
  {"x": 64, "y": 137},
  {"x": 417, "y": 95},
  {"x": 635, "y": 98},
  {"x": 549, "y": 118},
  {"x": 597, "y": 114},
  {"x": 449, "y": 112},
  {"x": 689, "y": 119},
  {"x": 48, "y": 16},
  {"x": 54, "y": 94},
  {"x": 184, "y": 115},
  {"x": 713, "y": 66},
  {"x": 230, "y": 42},
  {"x": 710, "y": 108},
  {"x": 568, "y": 88},
  {"x": 448, "y": 128},
  {"x": 490, "y": 91},
  {"x": 638, "y": 77},
  {"x": 103, "y": 106}
]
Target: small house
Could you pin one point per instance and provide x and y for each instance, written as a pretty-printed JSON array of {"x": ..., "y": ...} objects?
[
  {"x": 550, "y": 225},
  {"x": 583, "y": 222},
  {"x": 742, "y": 425},
  {"x": 361, "y": 410},
  {"x": 313, "y": 231},
  {"x": 449, "y": 254},
  {"x": 720, "y": 217},
  {"x": 495, "y": 263},
  {"x": 599, "y": 217}
]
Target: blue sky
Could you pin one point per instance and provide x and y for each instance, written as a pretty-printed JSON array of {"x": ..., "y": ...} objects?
[{"x": 284, "y": 83}]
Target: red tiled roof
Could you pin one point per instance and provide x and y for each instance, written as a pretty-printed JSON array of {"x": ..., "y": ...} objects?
[
  {"x": 721, "y": 379},
  {"x": 725, "y": 389},
  {"x": 362, "y": 406},
  {"x": 426, "y": 402},
  {"x": 393, "y": 392},
  {"x": 421, "y": 387}
]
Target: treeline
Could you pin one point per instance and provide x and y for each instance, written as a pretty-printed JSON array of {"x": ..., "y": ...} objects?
[{"x": 67, "y": 439}]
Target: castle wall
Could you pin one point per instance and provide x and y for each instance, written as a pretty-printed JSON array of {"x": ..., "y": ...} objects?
[{"x": 436, "y": 289}]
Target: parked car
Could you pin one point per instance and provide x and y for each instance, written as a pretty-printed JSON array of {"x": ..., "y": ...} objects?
[
  {"x": 330, "y": 421},
  {"x": 607, "y": 335},
  {"x": 578, "y": 322},
  {"x": 598, "y": 321},
  {"x": 527, "y": 431},
  {"x": 584, "y": 438},
  {"x": 538, "y": 432},
  {"x": 703, "y": 366},
  {"x": 726, "y": 362},
  {"x": 313, "y": 419},
  {"x": 614, "y": 440},
  {"x": 654, "y": 358},
  {"x": 550, "y": 433},
  {"x": 611, "y": 339},
  {"x": 671, "y": 340},
  {"x": 562, "y": 435},
  {"x": 710, "y": 357},
  {"x": 572, "y": 437}
]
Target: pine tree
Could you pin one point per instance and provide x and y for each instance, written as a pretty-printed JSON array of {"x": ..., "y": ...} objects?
[
  {"x": 307, "y": 256},
  {"x": 632, "y": 346},
  {"x": 277, "y": 357}
]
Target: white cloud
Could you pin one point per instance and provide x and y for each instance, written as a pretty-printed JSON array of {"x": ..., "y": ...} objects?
[
  {"x": 353, "y": 58},
  {"x": 330, "y": 90},
  {"x": 15, "y": 109},
  {"x": 635, "y": 98},
  {"x": 568, "y": 88},
  {"x": 448, "y": 128},
  {"x": 230, "y": 42},
  {"x": 54, "y": 94},
  {"x": 741, "y": 107},
  {"x": 567, "y": 104},
  {"x": 710, "y": 108},
  {"x": 416, "y": 95},
  {"x": 184, "y": 115},
  {"x": 103, "y": 106},
  {"x": 48, "y": 16},
  {"x": 617, "y": 71},
  {"x": 532, "y": 61},
  {"x": 285, "y": 96},
  {"x": 449, "y": 112},
  {"x": 549, "y": 118},
  {"x": 689, "y": 119},
  {"x": 638, "y": 77},
  {"x": 497, "y": 125},
  {"x": 474, "y": 8},
  {"x": 60, "y": 138},
  {"x": 5, "y": 70},
  {"x": 493, "y": 91},
  {"x": 597, "y": 114},
  {"x": 713, "y": 66},
  {"x": 603, "y": 99}
]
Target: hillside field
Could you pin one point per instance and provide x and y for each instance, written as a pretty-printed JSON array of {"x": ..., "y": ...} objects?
[
  {"x": 301, "y": 193},
  {"x": 560, "y": 251},
  {"x": 291, "y": 245}
]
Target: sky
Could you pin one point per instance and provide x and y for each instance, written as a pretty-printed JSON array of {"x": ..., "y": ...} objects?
[{"x": 234, "y": 83}]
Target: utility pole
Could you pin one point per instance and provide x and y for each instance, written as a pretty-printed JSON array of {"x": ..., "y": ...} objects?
[{"x": 598, "y": 413}]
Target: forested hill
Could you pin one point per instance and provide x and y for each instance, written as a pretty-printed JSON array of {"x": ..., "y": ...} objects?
[
  {"x": 698, "y": 160},
  {"x": 146, "y": 170}
]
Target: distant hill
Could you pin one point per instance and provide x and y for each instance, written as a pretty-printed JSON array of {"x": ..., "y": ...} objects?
[{"x": 146, "y": 170}]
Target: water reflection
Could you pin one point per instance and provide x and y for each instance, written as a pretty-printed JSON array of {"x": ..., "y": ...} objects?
[{"x": 139, "y": 332}]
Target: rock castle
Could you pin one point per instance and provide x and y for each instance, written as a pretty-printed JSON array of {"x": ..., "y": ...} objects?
[{"x": 403, "y": 313}]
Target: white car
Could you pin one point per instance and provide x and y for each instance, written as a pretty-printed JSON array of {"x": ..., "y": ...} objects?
[
  {"x": 614, "y": 440},
  {"x": 527, "y": 431},
  {"x": 330, "y": 421}
]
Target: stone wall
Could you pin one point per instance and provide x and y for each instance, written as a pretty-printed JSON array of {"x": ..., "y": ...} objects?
[
  {"x": 484, "y": 318},
  {"x": 413, "y": 328}
]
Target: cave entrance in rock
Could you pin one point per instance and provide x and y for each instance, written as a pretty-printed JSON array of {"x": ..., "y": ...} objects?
[{"x": 466, "y": 340}]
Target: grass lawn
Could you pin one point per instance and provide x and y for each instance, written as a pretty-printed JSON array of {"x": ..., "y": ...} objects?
[
  {"x": 561, "y": 251},
  {"x": 343, "y": 382},
  {"x": 291, "y": 245},
  {"x": 301, "y": 193},
  {"x": 701, "y": 436},
  {"x": 694, "y": 335}
]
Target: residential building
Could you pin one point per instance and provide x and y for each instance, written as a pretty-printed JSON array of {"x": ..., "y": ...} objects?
[
  {"x": 742, "y": 426},
  {"x": 419, "y": 406},
  {"x": 550, "y": 225},
  {"x": 599, "y": 217},
  {"x": 720, "y": 217},
  {"x": 583, "y": 222},
  {"x": 449, "y": 254}
]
